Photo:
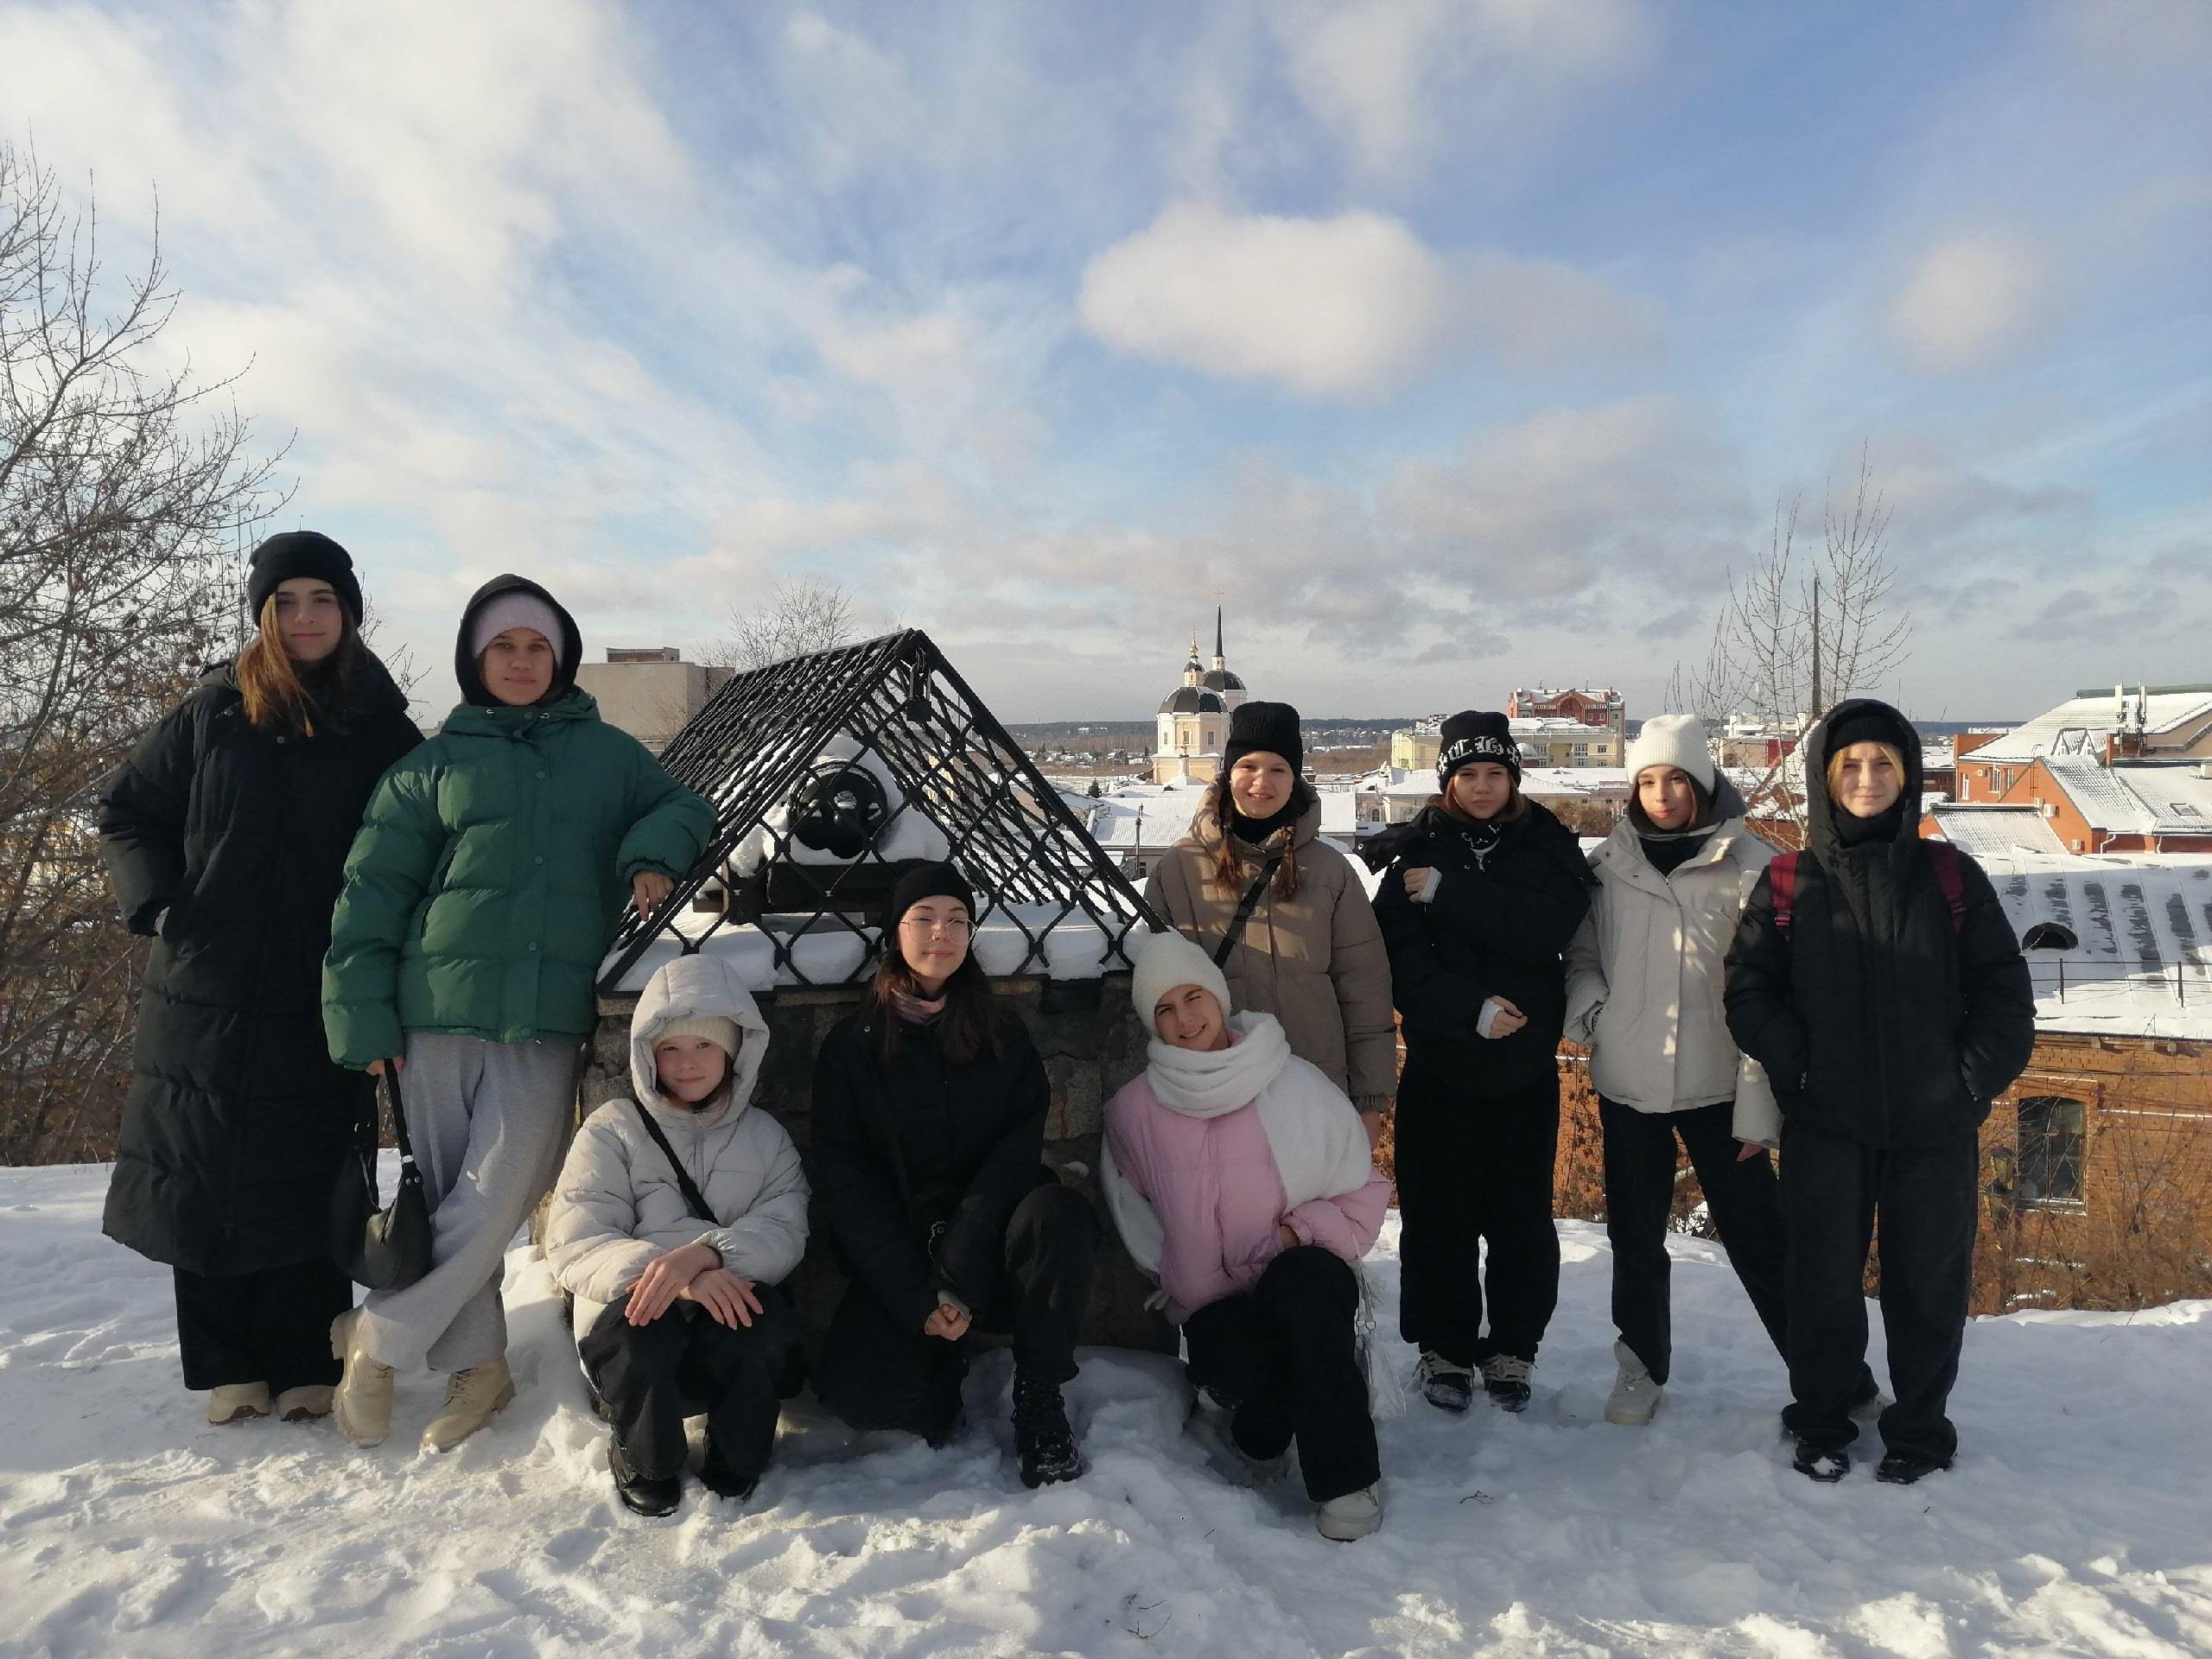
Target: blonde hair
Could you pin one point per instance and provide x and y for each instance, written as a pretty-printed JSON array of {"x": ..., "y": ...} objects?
[
  {"x": 270, "y": 683},
  {"x": 1894, "y": 754}
]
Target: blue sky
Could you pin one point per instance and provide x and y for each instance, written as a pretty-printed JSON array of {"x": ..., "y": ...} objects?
[{"x": 1452, "y": 344}]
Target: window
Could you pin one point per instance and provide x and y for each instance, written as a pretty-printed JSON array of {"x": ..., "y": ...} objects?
[
  {"x": 2051, "y": 1139},
  {"x": 2184, "y": 809},
  {"x": 2048, "y": 936}
]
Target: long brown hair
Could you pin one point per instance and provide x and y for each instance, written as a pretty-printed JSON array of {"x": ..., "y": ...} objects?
[
  {"x": 973, "y": 1023},
  {"x": 1228, "y": 862},
  {"x": 276, "y": 694}
]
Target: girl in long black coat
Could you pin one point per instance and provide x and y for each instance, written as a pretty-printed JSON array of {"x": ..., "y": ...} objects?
[
  {"x": 929, "y": 1140},
  {"x": 1477, "y": 909},
  {"x": 226, "y": 834},
  {"x": 1889, "y": 1002}
]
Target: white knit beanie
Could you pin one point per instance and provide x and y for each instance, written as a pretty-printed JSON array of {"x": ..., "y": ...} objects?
[
  {"x": 1169, "y": 960},
  {"x": 718, "y": 1029},
  {"x": 1672, "y": 741},
  {"x": 515, "y": 609}
]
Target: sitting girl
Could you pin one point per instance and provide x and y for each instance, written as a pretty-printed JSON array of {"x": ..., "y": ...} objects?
[
  {"x": 677, "y": 1215},
  {"x": 1240, "y": 1183}
]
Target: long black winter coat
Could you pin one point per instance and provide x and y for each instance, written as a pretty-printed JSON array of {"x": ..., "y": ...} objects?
[
  {"x": 919, "y": 1163},
  {"x": 236, "y": 1121},
  {"x": 1497, "y": 926},
  {"x": 1877, "y": 1018}
]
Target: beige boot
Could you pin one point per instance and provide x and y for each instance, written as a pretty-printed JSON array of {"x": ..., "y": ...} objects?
[
  {"x": 305, "y": 1404},
  {"x": 471, "y": 1398},
  {"x": 362, "y": 1401},
  {"x": 237, "y": 1402}
]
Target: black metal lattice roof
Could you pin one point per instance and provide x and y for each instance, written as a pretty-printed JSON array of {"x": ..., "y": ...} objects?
[{"x": 906, "y": 709}]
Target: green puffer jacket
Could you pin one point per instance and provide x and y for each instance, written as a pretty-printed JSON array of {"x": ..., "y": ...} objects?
[{"x": 490, "y": 874}]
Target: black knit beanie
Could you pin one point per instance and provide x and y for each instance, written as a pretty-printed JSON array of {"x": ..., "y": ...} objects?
[
  {"x": 926, "y": 879},
  {"x": 1870, "y": 724},
  {"x": 302, "y": 553},
  {"x": 1476, "y": 734},
  {"x": 1265, "y": 728}
]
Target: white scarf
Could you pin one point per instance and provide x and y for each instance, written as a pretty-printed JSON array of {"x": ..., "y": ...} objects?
[{"x": 1211, "y": 1083}]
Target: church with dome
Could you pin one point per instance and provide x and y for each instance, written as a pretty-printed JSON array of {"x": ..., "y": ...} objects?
[{"x": 1194, "y": 717}]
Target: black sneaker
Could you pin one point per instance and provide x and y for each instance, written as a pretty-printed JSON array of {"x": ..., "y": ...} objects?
[
  {"x": 1041, "y": 1433},
  {"x": 723, "y": 1481},
  {"x": 642, "y": 1494},
  {"x": 1826, "y": 1464},
  {"x": 1903, "y": 1468},
  {"x": 1443, "y": 1385},
  {"x": 1506, "y": 1379}
]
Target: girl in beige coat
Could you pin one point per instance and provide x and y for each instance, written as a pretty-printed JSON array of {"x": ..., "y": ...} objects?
[{"x": 1310, "y": 953}]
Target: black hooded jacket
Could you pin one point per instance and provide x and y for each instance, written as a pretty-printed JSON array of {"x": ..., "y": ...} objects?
[
  {"x": 1497, "y": 927},
  {"x": 235, "y": 838},
  {"x": 1877, "y": 1018},
  {"x": 569, "y": 645}
]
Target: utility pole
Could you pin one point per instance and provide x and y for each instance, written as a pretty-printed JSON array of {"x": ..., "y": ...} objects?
[{"x": 1820, "y": 703}]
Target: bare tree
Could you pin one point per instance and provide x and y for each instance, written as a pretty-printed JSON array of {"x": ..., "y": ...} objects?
[
  {"x": 122, "y": 488},
  {"x": 801, "y": 615}
]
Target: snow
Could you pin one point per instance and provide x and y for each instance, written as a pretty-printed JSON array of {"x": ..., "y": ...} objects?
[
  {"x": 2077, "y": 1520},
  {"x": 2141, "y": 963},
  {"x": 2080, "y": 725}
]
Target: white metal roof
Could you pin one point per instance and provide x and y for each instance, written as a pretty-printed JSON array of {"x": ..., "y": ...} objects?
[
  {"x": 2080, "y": 725},
  {"x": 1989, "y": 832},
  {"x": 2140, "y": 963}
]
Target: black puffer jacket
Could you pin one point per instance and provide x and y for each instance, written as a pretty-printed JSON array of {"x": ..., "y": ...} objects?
[
  {"x": 1496, "y": 927},
  {"x": 236, "y": 1120},
  {"x": 918, "y": 1162},
  {"x": 1875, "y": 1017}
]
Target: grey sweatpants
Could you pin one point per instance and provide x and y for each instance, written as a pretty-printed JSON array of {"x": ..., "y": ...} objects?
[{"x": 486, "y": 1120}]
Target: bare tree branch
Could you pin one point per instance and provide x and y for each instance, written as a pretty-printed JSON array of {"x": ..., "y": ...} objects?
[{"x": 801, "y": 616}]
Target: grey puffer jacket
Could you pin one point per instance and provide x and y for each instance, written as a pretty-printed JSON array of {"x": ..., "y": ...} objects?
[
  {"x": 618, "y": 1204},
  {"x": 1645, "y": 976}
]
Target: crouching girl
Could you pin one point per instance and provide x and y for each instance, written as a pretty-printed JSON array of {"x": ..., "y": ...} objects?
[
  {"x": 1242, "y": 1186},
  {"x": 678, "y": 1214}
]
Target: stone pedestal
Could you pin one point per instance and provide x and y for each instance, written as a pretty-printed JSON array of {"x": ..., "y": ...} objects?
[{"x": 1091, "y": 1045}]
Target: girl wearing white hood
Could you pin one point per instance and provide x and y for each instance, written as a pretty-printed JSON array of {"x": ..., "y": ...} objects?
[
  {"x": 1242, "y": 1184},
  {"x": 677, "y": 1215}
]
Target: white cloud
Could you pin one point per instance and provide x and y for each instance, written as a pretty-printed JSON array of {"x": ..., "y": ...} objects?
[
  {"x": 1351, "y": 306},
  {"x": 1975, "y": 302}
]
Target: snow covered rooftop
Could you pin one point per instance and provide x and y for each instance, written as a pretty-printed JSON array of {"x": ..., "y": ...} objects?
[
  {"x": 2146, "y": 798},
  {"x": 2080, "y": 725},
  {"x": 1988, "y": 832},
  {"x": 2139, "y": 960}
]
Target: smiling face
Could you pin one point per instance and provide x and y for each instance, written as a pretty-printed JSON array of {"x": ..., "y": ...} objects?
[
  {"x": 1866, "y": 781},
  {"x": 1480, "y": 789},
  {"x": 1190, "y": 1016},
  {"x": 1668, "y": 797},
  {"x": 518, "y": 667},
  {"x": 690, "y": 1068},
  {"x": 933, "y": 939},
  {"x": 310, "y": 621},
  {"x": 1260, "y": 784}
]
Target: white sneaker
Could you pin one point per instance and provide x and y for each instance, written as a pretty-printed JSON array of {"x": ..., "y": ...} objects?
[
  {"x": 1635, "y": 1396},
  {"x": 471, "y": 1398},
  {"x": 362, "y": 1400},
  {"x": 1352, "y": 1517},
  {"x": 237, "y": 1402}
]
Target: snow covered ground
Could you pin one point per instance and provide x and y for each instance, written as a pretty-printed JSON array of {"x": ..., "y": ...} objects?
[{"x": 2079, "y": 1520}]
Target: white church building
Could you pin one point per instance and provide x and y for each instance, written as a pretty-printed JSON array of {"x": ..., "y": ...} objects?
[{"x": 1194, "y": 717}]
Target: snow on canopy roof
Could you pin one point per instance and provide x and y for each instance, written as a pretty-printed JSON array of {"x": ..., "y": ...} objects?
[
  {"x": 2080, "y": 725},
  {"x": 2136, "y": 797},
  {"x": 1989, "y": 832},
  {"x": 2140, "y": 962}
]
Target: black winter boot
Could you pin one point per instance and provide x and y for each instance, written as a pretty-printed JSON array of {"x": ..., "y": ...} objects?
[
  {"x": 642, "y": 1494},
  {"x": 1826, "y": 1464},
  {"x": 1903, "y": 1468},
  {"x": 1041, "y": 1433}
]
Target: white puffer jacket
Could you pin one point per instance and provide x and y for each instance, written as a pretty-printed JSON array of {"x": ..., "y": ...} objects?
[
  {"x": 618, "y": 1204},
  {"x": 1644, "y": 977}
]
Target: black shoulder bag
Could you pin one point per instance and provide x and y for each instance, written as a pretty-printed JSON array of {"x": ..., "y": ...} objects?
[
  {"x": 1248, "y": 903},
  {"x": 692, "y": 1195},
  {"x": 385, "y": 1247}
]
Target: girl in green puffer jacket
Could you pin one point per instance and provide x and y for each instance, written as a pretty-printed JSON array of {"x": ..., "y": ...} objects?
[{"x": 480, "y": 896}]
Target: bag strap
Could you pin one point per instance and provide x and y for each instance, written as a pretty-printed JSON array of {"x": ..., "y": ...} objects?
[
  {"x": 1951, "y": 878},
  {"x": 692, "y": 1196},
  {"x": 1246, "y": 905},
  {"x": 1782, "y": 883},
  {"x": 391, "y": 1083}
]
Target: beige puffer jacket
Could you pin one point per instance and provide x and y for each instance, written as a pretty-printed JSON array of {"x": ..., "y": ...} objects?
[
  {"x": 1315, "y": 961},
  {"x": 1644, "y": 976}
]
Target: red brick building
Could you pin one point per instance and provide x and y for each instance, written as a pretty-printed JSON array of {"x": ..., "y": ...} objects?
[{"x": 1589, "y": 708}]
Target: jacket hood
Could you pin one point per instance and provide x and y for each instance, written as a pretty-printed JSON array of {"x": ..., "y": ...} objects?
[
  {"x": 697, "y": 988},
  {"x": 1820, "y": 811},
  {"x": 473, "y": 688},
  {"x": 372, "y": 692}
]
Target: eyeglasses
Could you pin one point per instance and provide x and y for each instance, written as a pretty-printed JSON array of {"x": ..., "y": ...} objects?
[{"x": 952, "y": 927}]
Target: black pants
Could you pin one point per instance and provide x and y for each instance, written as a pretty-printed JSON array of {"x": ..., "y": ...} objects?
[
  {"x": 1474, "y": 1168},
  {"x": 272, "y": 1326},
  {"x": 1288, "y": 1356},
  {"x": 1832, "y": 1191},
  {"x": 645, "y": 1377},
  {"x": 1742, "y": 1198},
  {"x": 876, "y": 1373}
]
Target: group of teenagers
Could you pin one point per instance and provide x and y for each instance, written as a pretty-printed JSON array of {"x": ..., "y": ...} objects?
[{"x": 332, "y": 898}]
